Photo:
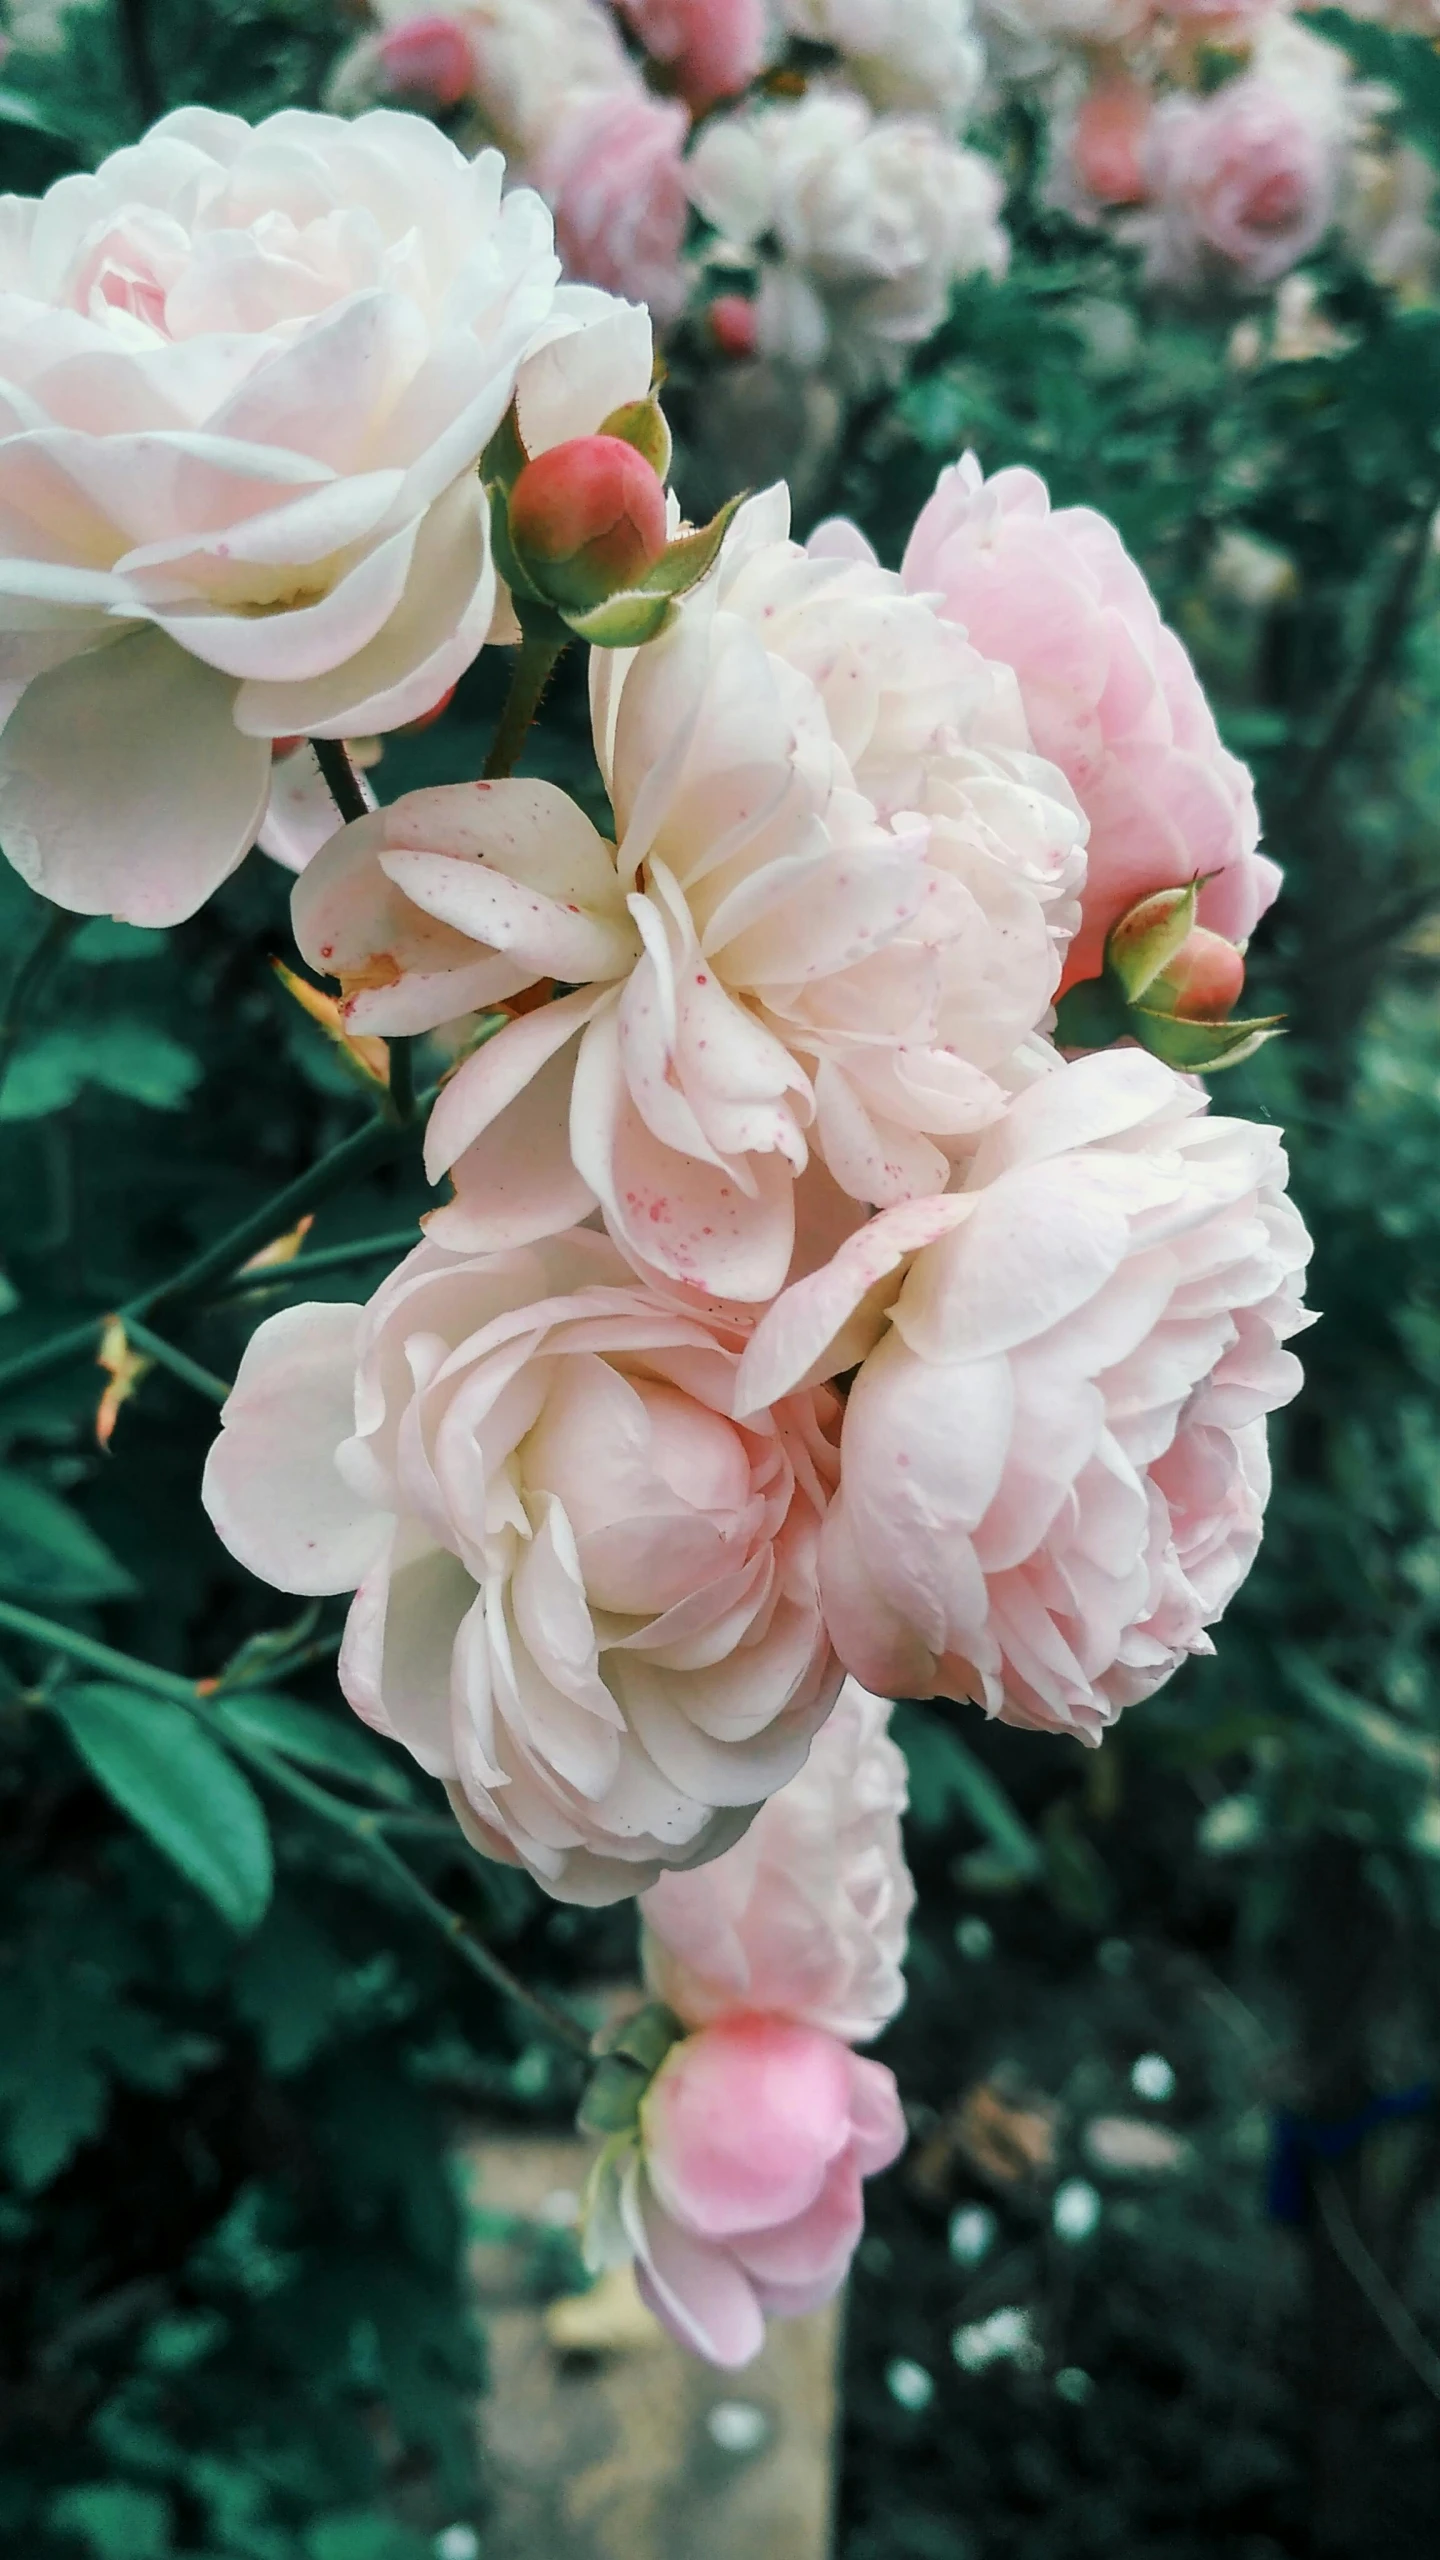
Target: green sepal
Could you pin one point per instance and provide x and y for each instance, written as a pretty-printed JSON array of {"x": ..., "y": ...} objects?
[
  {"x": 683, "y": 562},
  {"x": 611, "y": 2103},
  {"x": 507, "y": 559},
  {"x": 1091, "y": 1015},
  {"x": 642, "y": 423},
  {"x": 623, "y": 621},
  {"x": 644, "y": 2037},
  {"x": 1147, "y": 938},
  {"x": 1201, "y": 1048},
  {"x": 504, "y": 457}
]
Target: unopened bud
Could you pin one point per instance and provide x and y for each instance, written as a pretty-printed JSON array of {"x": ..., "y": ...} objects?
[
  {"x": 586, "y": 520},
  {"x": 1204, "y": 980},
  {"x": 734, "y": 324},
  {"x": 428, "y": 59}
]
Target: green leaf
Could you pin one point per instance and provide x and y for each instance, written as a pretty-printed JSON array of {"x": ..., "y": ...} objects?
[
  {"x": 623, "y": 621},
  {"x": 1378, "y": 1734},
  {"x": 131, "y": 1059},
  {"x": 47, "y": 1553},
  {"x": 362, "y": 2535},
  {"x": 104, "y": 939},
  {"x": 115, "y": 2520},
  {"x": 180, "y": 1788},
  {"x": 340, "y": 1745},
  {"x": 944, "y": 1772},
  {"x": 1091, "y": 1016}
]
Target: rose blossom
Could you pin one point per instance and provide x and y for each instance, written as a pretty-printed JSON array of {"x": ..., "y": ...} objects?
[
  {"x": 875, "y": 219},
  {"x": 250, "y": 377},
  {"x": 711, "y": 48},
  {"x": 1247, "y": 179},
  {"x": 584, "y": 1596},
  {"x": 1107, "y": 139},
  {"x": 904, "y": 53},
  {"x": 739, "y": 2194},
  {"x": 767, "y": 968},
  {"x": 1053, "y": 1465},
  {"x": 611, "y": 168},
  {"x": 429, "y": 59},
  {"x": 525, "y": 58},
  {"x": 1109, "y": 692},
  {"x": 805, "y": 1918}
]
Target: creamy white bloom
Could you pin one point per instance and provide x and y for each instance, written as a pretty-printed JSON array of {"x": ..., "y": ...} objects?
[
  {"x": 584, "y": 1596},
  {"x": 245, "y": 378},
  {"x": 1053, "y": 1466},
  {"x": 875, "y": 217},
  {"x": 806, "y": 1917},
  {"x": 924, "y": 54},
  {"x": 767, "y": 968}
]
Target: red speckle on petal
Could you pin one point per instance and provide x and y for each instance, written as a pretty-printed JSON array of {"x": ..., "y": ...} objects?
[{"x": 902, "y": 1460}]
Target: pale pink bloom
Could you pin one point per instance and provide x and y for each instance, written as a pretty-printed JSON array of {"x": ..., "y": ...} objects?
[
  {"x": 805, "y": 1918},
  {"x": 585, "y": 1597},
  {"x": 741, "y": 2192},
  {"x": 1107, "y": 139},
  {"x": 711, "y": 48},
  {"x": 767, "y": 968},
  {"x": 924, "y": 54},
  {"x": 610, "y": 165},
  {"x": 250, "y": 375},
  {"x": 527, "y": 58},
  {"x": 1053, "y": 1467},
  {"x": 874, "y": 218},
  {"x": 1110, "y": 695},
  {"x": 429, "y": 59},
  {"x": 1245, "y": 180}
]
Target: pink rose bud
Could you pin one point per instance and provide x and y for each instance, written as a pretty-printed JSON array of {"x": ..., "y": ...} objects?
[
  {"x": 733, "y": 324},
  {"x": 430, "y": 59},
  {"x": 1204, "y": 980},
  {"x": 587, "y": 519},
  {"x": 1109, "y": 140},
  {"x": 711, "y": 48}
]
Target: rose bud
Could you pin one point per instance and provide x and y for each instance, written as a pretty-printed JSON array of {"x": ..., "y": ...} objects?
[
  {"x": 428, "y": 59},
  {"x": 587, "y": 520},
  {"x": 733, "y": 324},
  {"x": 1203, "y": 982}
]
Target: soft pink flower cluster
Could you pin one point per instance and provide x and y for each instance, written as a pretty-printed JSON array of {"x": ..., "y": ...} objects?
[
  {"x": 799, "y": 1308},
  {"x": 1228, "y": 185},
  {"x": 853, "y": 209}
]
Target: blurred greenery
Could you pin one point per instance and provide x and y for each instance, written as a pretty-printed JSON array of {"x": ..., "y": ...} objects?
[{"x": 233, "y": 2322}]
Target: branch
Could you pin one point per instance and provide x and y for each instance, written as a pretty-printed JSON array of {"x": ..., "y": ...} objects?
[
  {"x": 363, "y": 1828},
  {"x": 360, "y": 1153},
  {"x": 308, "y": 1266},
  {"x": 179, "y": 1363},
  {"x": 1373, "y": 2282},
  {"x": 535, "y": 662},
  {"x": 340, "y": 779},
  {"x": 1387, "y": 632}
]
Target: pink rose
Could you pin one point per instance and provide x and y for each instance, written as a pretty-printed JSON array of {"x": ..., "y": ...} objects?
[
  {"x": 1107, "y": 143},
  {"x": 805, "y": 1918},
  {"x": 611, "y": 167},
  {"x": 1110, "y": 695},
  {"x": 1053, "y": 1464},
  {"x": 428, "y": 59},
  {"x": 740, "y": 2193},
  {"x": 1247, "y": 176},
  {"x": 711, "y": 48},
  {"x": 585, "y": 1596}
]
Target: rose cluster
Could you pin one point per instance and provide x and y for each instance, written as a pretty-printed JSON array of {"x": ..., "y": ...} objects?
[
  {"x": 822, "y": 224},
  {"x": 809, "y": 1296}
]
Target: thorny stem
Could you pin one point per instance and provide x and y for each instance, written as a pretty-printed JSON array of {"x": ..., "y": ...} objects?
[
  {"x": 360, "y": 1153},
  {"x": 364, "y": 1828},
  {"x": 140, "y": 58},
  {"x": 59, "y": 928},
  {"x": 310, "y": 1266},
  {"x": 340, "y": 779},
  {"x": 535, "y": 661}
]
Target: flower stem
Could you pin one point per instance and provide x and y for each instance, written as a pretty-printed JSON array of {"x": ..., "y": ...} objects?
[
  {"x": 309, "y": 1266},
  {"x": 357, "y": 1824},
  {"x": 179, "y": 1363},
  {"x": 360, "y": 1153},
  {"x": 535, "y": 661},
  {"x": 340, "y": 779}
]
